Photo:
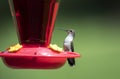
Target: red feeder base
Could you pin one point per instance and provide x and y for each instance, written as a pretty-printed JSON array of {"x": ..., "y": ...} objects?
[
  {"x": 36, "y": 58},
  {"x": 34, "y": 62}
]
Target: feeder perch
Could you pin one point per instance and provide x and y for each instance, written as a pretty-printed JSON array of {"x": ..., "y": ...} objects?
[{"x": 35, "y": 22}]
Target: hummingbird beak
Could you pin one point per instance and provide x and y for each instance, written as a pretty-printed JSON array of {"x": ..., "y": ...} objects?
[{"x": 63, "y": 29}]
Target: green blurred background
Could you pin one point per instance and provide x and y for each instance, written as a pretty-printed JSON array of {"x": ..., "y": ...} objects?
[{"x": 97, "y": 26}]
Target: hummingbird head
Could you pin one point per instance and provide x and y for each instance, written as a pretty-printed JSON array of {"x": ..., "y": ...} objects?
[{"x": 70, "y": 31}]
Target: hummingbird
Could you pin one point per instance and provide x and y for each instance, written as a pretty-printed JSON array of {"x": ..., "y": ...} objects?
[{"x": 68, "y": 45}]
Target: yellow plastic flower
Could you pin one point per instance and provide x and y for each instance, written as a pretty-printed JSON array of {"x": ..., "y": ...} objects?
[
  {"x": 15, "y": 48},
  {"x": 55, "y": 48}
]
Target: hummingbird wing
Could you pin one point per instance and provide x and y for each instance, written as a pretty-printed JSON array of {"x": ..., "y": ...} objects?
[
  {"x": 72, "y": 47},
  {"x": 71, "y": 61}
]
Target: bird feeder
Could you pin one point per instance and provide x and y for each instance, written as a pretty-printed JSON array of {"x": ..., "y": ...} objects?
[{"x": 35, "y": 20}]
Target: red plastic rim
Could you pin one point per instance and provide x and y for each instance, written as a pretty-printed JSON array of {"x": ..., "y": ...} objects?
[{"x": 39, "y": 52}]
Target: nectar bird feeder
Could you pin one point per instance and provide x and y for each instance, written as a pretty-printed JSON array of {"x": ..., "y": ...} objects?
[{"x": 35, "y": 22}]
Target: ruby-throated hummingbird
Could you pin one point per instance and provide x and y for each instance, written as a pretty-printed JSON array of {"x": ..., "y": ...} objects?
[{"x": 68, "y": 45}]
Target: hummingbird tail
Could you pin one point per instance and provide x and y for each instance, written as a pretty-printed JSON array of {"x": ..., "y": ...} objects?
[{"x": 71, "y": 61}]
